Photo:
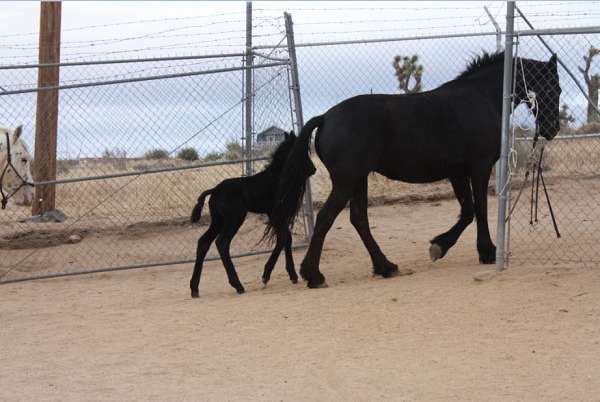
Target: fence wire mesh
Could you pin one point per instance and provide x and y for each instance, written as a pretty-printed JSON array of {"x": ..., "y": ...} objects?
[
  {"x": 133, "y": 127},
  {"x": 161, "y": 116},
  {"x": 570, "y": 164}
]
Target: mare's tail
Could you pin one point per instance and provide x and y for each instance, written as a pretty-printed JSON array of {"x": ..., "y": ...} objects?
[
  {"x": 197, "y": 211},
  {"x": 292, "y": 182}
]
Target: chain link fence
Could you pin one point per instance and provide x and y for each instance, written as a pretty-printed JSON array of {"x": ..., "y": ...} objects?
[
  {"x": 137, "y": 142},
  {"x": 119, "y": 134},
  {"x": 570, "y": 163}
]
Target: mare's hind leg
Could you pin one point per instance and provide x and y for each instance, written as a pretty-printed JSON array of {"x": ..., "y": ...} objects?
[
  {"x": 360, "y": 220},
  {"x": 204, "y": 243},
  {"x": 333, "y": 206},
  {"x": 233, "y": 221},
  {"x": 485, "y": 247},
  {"x": 442, "y": 243},
  {"x": 289, "y": 260}
]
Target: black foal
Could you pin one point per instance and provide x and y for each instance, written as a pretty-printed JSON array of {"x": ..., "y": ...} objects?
[{"x": 229, "y": 203}]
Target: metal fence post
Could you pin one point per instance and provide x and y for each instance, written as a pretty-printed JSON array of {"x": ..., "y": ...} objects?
[
  {"x": 506, "y": 109},
  {"x": 248, "y": 91},
  {"x": 498, "y": 49},
  {"x": 289, "y": 31}
]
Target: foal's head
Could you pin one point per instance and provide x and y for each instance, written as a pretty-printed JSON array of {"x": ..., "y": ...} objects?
[
  {"x": 20, "y": 168},
  {"x": 282, "y": 151},
  {"x": 541, "y": 78}
]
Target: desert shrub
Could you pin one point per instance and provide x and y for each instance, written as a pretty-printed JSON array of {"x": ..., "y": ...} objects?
[
  {"x": 589, "y": 128},
  {"x": 213, "y": 156},
  {"x": 233, "y": 151},
  {"x": 156, "y": 154},
  {"x": 64, "y": 166},
  {"x": 188, "y": 154},
  {"x": 117, "y": 157}
]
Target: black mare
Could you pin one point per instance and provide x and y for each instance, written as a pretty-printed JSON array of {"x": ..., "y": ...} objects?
[
  {"x": 451, "y": 132},
  {"x": 229, "y": 203}
]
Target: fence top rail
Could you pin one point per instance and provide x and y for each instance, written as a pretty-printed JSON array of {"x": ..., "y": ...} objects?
[
  {"x": 130, "y": 80},
  {"x": 532, "y": 32},
  {"x": 121, "y": 61}
]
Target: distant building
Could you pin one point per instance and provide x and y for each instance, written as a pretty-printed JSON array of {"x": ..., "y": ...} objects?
[{"x": 270, "y": 136}]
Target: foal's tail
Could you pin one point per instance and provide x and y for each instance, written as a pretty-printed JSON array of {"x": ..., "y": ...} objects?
[
  {"x": 197, "y": 211},
  {"x": 292, "y": 182}
]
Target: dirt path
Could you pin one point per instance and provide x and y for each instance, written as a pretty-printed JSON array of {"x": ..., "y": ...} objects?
[{"x": 532, "y": 333}]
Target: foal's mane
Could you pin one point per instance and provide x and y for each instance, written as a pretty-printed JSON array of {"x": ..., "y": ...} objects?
[
  {"x": 480, "y": 62},
  {"x": 279, "y": 155}
]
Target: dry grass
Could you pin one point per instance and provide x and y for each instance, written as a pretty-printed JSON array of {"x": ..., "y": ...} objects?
[{"x": 165, "y": 196}]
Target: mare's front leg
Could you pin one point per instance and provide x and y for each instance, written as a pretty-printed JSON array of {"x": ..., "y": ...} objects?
[
  {"x": 485, "y": 246},
  {"x": 442, "y": 243}
]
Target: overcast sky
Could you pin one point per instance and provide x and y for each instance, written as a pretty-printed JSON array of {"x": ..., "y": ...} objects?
[{"x": 167, "y": 113}]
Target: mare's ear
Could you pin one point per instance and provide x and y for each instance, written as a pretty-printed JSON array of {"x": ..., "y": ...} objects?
[
  {"x": 553, "y": 59},
  {"x": 292, "y": 134},
  {"x": 17, "y": 133}
]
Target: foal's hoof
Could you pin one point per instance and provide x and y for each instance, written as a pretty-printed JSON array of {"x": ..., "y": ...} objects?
[
  {"x": 294, "y": 280},
  {"x": 314, "y": 285},
  {"x": 240, "y": 290},
  {"x": 195, "y": 294},
  {"x": 435, "y": 252}
]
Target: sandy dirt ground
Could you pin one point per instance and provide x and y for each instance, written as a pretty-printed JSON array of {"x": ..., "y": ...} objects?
[{"x": 530, "y": 333}]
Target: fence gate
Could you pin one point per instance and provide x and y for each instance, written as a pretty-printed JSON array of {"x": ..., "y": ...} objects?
[
  {"x": 138, "y": 141},
  {"x": 570, "y": 163}
]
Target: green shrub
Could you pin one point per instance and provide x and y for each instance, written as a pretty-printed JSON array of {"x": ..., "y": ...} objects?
[
  {"x": 156, "y": 154},
  {"x": 188, "y": 154},
  {"x": 233, "y": 151},
  {"x": 213, "y": 156}
]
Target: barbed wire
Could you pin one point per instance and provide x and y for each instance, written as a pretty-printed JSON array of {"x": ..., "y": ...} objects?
[
  {"x": 201, "y": 43},
  {"x": 139, "y": 21}
]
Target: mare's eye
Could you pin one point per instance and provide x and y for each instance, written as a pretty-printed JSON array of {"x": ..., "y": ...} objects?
[{"x": 24, "y": 160}]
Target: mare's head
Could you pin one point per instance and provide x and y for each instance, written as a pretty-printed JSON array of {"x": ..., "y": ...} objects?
[
  {"x": 282, "y": 151},
  {"x": 20, "y": 169},
  {"x": 541, "y": 78}
]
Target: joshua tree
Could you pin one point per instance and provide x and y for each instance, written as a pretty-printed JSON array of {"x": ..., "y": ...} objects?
[
  {"x": 565, "y": 117},
  {"x": 407, "y": 67},
  {"x": 593, "y": 84}
]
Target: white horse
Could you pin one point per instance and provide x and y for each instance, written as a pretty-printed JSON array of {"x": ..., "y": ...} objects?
[{"x": 19, "y": 169}]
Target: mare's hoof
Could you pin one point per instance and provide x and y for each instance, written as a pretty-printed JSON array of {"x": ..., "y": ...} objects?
[
  {"x": 240, "y": 290},
  {"x": 195, "y": 294},
  {"x": 396, "y": 272},
  {"x": 294, "y": 280},
  {"x": 265, "y": 280},
  {"x": 435, "y": 252},
  {"x": 313, "y": 285},
  {"x": 487, "y": 259},
  {"x": 403, "y": 272},
  {"x": 488, "y": 256}
]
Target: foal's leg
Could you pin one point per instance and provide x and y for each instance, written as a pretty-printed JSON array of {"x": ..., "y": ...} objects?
[
  {"x": 442, "y": 243},
  {"x": 360, "y": 220},
  {"x": 485, "y": 247},
  {"x": 282, "y": 241},
  {"x": 232, "y": 223},
  {"x": 289, "y": 259},
  {"x": 204, "y": 243},
  {"x": 333, "y": 206}
]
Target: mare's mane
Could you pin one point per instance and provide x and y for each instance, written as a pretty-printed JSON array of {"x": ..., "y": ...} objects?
[{"x": 480, "y": 62}]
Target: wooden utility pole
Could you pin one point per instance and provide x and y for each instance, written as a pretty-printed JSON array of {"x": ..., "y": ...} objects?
[{"x": 47, "y": 106}]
